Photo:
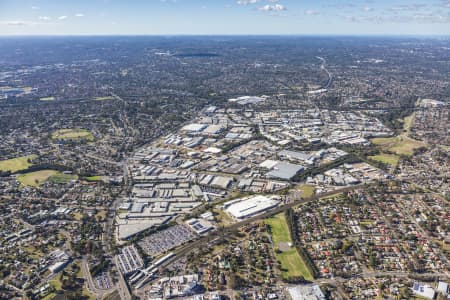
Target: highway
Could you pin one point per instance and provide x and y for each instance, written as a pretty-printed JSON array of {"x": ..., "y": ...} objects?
[{"x": 323, "y": 68}]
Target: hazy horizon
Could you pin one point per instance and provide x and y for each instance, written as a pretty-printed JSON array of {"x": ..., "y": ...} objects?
[{"x": 225, "y": 17}]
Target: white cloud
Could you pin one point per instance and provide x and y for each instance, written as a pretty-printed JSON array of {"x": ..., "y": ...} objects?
[
  {"x": 245, "y": 2},
  {"x": 62, "y": 17},
  {"x": 79, "y": 15},
  {"x": 44, "y": 18},
  {"x": 276, "y": 7},
  {"x": 417, "y": 18},
  {"x": 367, "y": 9},
  {"x": 408, "y": 7},
  {"x": 35, "y": 7}
]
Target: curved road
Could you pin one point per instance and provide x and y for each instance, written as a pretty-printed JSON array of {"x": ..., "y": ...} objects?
[{"x": 323, "y": 68}]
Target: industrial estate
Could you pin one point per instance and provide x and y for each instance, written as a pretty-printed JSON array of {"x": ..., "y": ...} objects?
[{"x": 204, "y": 168}]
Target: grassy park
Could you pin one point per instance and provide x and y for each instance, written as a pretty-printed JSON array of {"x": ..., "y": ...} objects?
[
  {"x": 72, "y": 134},
  {"x": 36, "y": 178},
  {"x": 16, "y": 164},
  {"x": 62, "y": 178},
  {"x": 291, "y": 263},
  {"x": 401, "y": 145},
  {"x": 94, "y": 178},
  {"x": 390, "y": 159}
]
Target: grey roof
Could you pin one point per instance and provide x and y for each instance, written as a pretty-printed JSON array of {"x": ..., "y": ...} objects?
[{"x": 284, "y": 170}]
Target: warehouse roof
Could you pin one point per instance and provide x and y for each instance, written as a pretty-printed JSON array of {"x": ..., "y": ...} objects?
[
  {"x": 246, "y": 208},
  {"x": 284, "y": 170}
]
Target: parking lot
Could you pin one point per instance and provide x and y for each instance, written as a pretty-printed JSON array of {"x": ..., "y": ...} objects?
[
  {"x": 102, "y": 281},
  {"x": 163, "y": 241}
]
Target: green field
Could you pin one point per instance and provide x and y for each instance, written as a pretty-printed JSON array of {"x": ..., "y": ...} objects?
[
  {"x": 279, "y": 229},
  {"x": 401, "y": 145},
  {"x": 408, "y": 122},
  {"x": 104, "y": 98},
  {"x": 62, "y": 178},
  {"x": 16, "y": 164},
  {"x": 36, "y": 178},
  {"x": 307, "y": 190},
  {"x": 291, "y": 263},
  {"x": 94, "y": 178},
  {"x": 390, "y": 159},
  {"x": 72, "y": 134},
  {"x": 48, "y": 99}
]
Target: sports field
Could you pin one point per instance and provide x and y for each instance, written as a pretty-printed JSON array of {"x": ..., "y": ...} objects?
[
  {"x": 72, "y": 134},
  {"x": 291, "y": 263},
  {"x": 16, "y": 164}
]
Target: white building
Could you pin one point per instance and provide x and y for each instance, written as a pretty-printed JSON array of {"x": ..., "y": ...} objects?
[
  {"x": 306, "y": 292},
  {"x": 425, "y": 291},
  {"x": 245, "y": 208}
]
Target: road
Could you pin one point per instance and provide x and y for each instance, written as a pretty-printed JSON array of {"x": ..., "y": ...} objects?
[
  {"x": 323, "y": 68},
  {"x": 90, "y": 285},
  {"x": 122, "y": 285},
  {"x": 379, "y": 274}
]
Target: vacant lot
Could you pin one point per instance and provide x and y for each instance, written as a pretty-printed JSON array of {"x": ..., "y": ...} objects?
[
  {"x": 390, "y": 159},
  {"x": 72, "y": 134},
  {"x": 36, "y": 178},
  {"x": 291, "y": 263},
  {"x": 16, "y": 164}
]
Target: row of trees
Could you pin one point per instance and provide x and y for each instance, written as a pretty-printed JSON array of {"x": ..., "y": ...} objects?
[{"x": 291, "y": 220}]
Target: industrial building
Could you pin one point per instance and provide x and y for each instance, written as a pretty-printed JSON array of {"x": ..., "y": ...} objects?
[
  {"x": 245, "y": 208},
  {"x": 306, "y": 292},
  {"x": 281, "y": 170}
]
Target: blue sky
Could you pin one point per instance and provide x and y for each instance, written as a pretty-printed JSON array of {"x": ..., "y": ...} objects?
[{"x": 192, "y": 17}]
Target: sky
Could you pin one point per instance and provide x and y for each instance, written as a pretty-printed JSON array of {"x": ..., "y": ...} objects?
[{"x": 224, "y": 17}]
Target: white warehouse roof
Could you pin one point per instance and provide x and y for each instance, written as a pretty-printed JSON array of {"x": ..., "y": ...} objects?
[
  {"x": 249, "y": 207},
  {"x": 194, "y": 127}
]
